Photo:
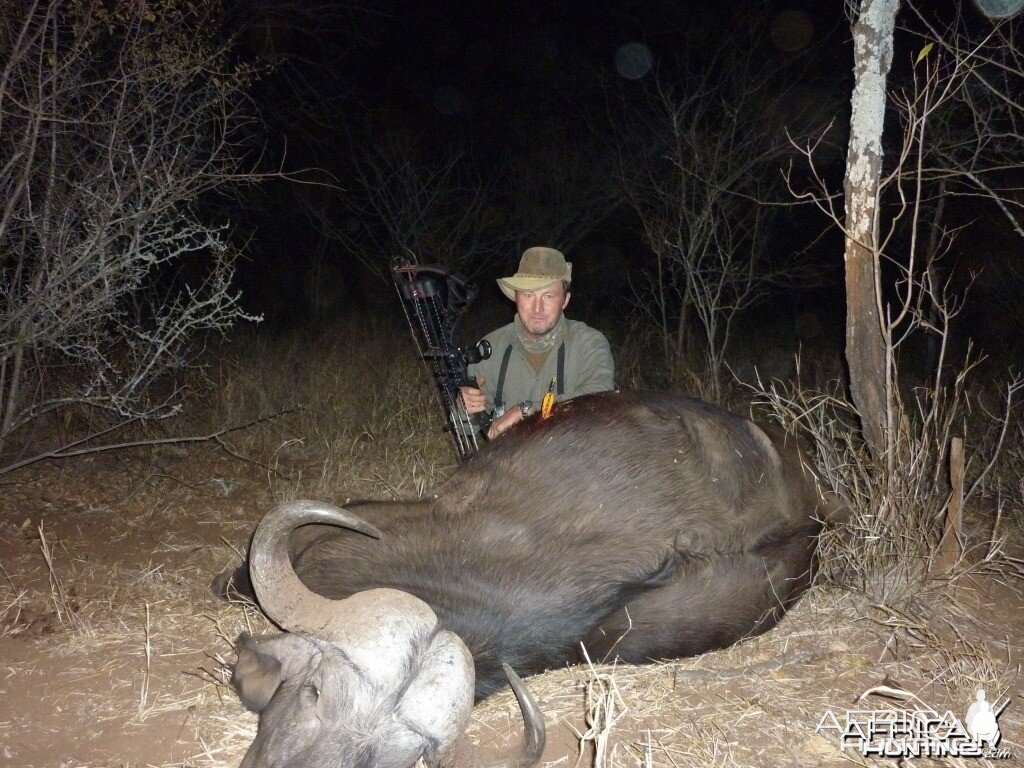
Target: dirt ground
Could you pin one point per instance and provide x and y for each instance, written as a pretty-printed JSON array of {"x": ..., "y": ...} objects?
[{"x": 114, "y": 653}]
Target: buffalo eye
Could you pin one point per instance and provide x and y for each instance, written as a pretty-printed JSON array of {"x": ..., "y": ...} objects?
[{"x": 311, "y": 693}]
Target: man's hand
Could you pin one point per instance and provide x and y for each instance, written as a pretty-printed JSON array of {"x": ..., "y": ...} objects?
[{"x": 474, "y": 398}]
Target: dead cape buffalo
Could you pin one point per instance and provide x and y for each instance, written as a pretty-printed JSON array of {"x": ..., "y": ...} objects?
[{"x": 644, "y": 526}]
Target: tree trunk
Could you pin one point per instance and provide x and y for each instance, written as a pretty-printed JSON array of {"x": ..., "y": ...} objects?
[{"x": 865, "y": 334}]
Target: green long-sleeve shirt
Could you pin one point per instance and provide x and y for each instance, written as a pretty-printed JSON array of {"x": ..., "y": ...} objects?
[{"x": 588, "y": 366}]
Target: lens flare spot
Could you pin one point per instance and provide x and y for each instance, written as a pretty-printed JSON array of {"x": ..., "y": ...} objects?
[
  {"x": 1000, "y": 9},
  {"x": 633, "y": 60}
]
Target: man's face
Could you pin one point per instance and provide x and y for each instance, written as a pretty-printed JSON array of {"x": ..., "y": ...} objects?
[{"x": 539, "y": 310}]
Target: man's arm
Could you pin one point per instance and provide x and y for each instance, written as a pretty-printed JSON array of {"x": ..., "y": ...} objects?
[
  {"x": 475, "y": 401},
  {"x": 597, "y": 368}
]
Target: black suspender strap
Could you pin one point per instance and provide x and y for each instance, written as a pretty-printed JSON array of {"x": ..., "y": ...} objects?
[
  {"x": 498, "y": 402},
  {"x": 560, "y": 373},
  {"x": 560, "y": 386}
]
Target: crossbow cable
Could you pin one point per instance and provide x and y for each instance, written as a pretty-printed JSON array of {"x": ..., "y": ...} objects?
[{"x": 434, "y": 301}]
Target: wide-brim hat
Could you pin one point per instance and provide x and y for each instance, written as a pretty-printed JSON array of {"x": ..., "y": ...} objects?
[{"x": 538, "y": 267}]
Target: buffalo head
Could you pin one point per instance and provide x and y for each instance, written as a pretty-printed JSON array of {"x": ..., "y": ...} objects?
[{"x": 370, "y": 681}]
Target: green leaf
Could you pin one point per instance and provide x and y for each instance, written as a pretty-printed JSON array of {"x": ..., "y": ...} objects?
[{"x": 924, "y": 52}]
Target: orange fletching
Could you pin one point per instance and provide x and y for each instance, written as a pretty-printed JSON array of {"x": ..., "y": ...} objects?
[{"x": 547, "y": 405}]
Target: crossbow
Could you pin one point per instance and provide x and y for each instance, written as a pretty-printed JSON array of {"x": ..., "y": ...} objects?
[{"x": 434, "y": 300}]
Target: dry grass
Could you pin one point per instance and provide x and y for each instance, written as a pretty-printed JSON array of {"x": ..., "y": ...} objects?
[
  {"x": 899, "y": 502},
  {"x": 757, "y": 703},
  {"x": 12, "y": 603},
  {"x": 361, "y": 415}
]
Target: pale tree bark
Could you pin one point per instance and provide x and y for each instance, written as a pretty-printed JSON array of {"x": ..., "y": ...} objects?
[{"x": 865, "y": 338}]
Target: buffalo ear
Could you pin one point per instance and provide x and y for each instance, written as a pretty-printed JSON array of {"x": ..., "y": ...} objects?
[{"x": 257, "y": 673}]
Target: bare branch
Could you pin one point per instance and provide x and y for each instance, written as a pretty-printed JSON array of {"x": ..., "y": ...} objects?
[
  {"x": 701, "y": 163},
  {"x": 115, "y": 122},
  {"x": 70, "y": 450}
]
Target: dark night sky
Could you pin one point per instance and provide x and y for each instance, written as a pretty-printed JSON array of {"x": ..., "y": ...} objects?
[
  {"x": 473, "y": 67},
  {"x": 472, "y": 64},
  {"x": 495, "y": 77}
]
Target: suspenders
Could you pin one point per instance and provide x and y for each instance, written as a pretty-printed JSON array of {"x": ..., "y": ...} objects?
[
  {"x": 560, "y": 373},
  {"x": 498, "y": 402}
]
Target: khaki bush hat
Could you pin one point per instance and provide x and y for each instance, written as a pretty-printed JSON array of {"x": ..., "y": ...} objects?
[{"x": 539, "y": 267}]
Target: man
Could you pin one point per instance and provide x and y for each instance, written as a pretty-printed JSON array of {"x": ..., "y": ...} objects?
[{"x": 540, "y": 350}]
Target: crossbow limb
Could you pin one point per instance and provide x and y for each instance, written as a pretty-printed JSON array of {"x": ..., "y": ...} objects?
[{"x": 434, "y": 301}]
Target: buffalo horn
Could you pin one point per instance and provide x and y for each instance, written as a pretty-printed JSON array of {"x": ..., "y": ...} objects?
[
  {"x": 282, "y": 595},
  {"x": 533, "y": 724}
]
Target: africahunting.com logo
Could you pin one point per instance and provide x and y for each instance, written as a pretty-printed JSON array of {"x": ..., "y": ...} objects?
[{"x": 919, "y": 732}]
